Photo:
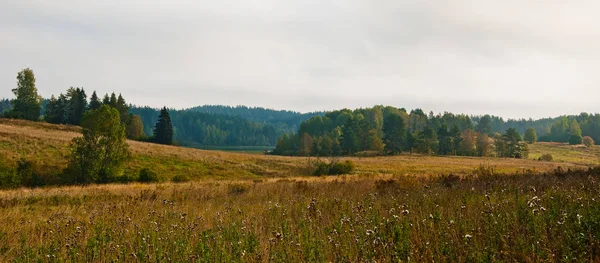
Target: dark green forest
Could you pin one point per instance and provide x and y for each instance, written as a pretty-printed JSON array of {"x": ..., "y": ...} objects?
[
  {"x": 196, "y": 129},
  {"x": 393, "y": 130}
]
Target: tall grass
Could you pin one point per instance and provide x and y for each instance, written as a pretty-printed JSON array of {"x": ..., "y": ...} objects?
[{"x": 527, "y": 217}]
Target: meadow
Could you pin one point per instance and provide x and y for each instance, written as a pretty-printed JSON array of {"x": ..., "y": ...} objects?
[{"x": 254, "y": 208}]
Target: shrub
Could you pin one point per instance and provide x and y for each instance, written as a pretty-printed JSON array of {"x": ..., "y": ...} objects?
[
  {"x": 147, "y": 176},
  {"x": 27, "y": 174},
  {"x": 547, "y": 157},
  {"x": 237, "y": 189},
  {"x": 180, "y": 178},
  {"x": 342, "y": 168},
  {"x": 575, "y": 139},
  {"x": 333, "y": 167},
  {"x": 8, "y": 178},
  {"x": 588, "y": 141},
  {"x": 125, "y": 178}
]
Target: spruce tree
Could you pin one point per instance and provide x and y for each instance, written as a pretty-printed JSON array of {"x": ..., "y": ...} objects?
[
  {"x": 28, "y": 103},
  {"x": 94, "y": 102},
  {"x": 163, "y": 130},
  {"x": 106, "y": 99},
  {"x": 123, "y": 109},
  {"x": 54, "y": 111},
  {"x": 113, "y": 100},
  {"x": 77, "y": 105}
]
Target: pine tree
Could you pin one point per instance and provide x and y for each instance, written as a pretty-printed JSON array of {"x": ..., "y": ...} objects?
[
  {"x": 123, "y": 109},
  {"x": 94, "y": 102},
  {"x": 77, "y": 105},
  {"x": 106, "y": 99},
  {"x": 163, "y": 130},
  {"x": 28, "y": 103},
  {"x": 113, "y": 100},
  {"x": 54, "y": 111}
]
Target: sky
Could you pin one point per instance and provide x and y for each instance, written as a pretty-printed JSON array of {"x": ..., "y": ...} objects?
[{"x": 511, "y": 58}]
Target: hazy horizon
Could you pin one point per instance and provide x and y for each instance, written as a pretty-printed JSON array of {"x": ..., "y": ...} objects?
[{"x": 511, "y": 59}]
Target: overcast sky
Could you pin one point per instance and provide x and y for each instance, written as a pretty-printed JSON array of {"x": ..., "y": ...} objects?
[{"x": 513, "y": 58}]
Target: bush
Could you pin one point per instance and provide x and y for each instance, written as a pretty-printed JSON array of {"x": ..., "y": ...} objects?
[
  {"x": 147, "y": 176},
  {"x": 180, "y": 178},
  {"x": 575, "y": 139},
  {"x": 333, "y": 167},
  {"x": 322, "y": 168},
  {"x": 547, "y": 157},
  {"x": 8, "y": 178},
  {"x": 588, "y": 141},
  {"x": 237, "y": 189},
  {"x": 27, "y": 174},
  {"x": 125, "y": 178},
  {"x": 342, "y": 168}
]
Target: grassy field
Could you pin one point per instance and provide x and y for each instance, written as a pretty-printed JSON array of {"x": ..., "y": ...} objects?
[
  {"x": 255, "y": 208},
  {"x": 48, "y": 144},
  {"x": 518, "y": 218}
]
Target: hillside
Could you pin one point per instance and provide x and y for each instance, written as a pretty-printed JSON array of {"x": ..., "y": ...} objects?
[{"x": 47, "y": 145}]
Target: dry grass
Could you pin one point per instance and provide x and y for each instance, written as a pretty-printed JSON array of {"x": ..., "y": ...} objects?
[
  {"x": 382, "y": 218},
  {"x": 47, "y": 145}
]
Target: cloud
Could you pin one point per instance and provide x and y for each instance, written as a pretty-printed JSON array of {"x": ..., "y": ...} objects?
[{"x": 510, "y": 58}]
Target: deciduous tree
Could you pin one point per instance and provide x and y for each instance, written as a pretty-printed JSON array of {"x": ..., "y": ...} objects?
[{"x": 28, "y": 102}]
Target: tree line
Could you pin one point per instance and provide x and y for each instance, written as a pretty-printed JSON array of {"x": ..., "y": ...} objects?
[
  {"x": 196, "y": 129},
  {"x": 73, "y": 105},
  {"x": 391, "y": 130}
]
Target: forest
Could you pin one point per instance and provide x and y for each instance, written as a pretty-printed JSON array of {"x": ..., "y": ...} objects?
[
  {"x": 196, "y": 129},
  {"x": 393, "y": 130}
]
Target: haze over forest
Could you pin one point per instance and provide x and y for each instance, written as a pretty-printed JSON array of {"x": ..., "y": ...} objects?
[{"x": 513, "y": 59}]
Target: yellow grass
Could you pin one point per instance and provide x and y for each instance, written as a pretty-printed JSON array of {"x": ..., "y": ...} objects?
[{"x": 48, "y": 145}]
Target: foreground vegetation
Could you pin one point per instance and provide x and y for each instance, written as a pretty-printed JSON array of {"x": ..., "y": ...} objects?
[{"x": 551, "y": 216}]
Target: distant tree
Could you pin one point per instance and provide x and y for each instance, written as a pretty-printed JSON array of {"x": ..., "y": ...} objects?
[
  {"x": 588, "y": 141},
  {"x": 364, "y": 136},
  {"x": 77, "y": 105},
  {"x": 95, "y": 102},
  {"x": 468, "y": 145},
  {"x": 508, "y": 145},
  {"x": 446, "y": 143},
  {"x": 28, "y": 102},
  {"x": 574, "y": 128},
  {"x": 456, "y": 139},
  {"x": 350, "y": 142},
  {"x": 113, "y": 101},
  {"x": 484, "y": 146},
  {"x": 530, "y": 136},
  {"x": 55, "y": 111},
  {"x": 135, "y": 127},
  {"x": 394, "y": 133},
  {"x": 98, "y": 156},
  {"x": 575, "y": 139},
  {"x": 306, "y": 144},
  {"x": 559, "y": 130},
  {"x": 123, "y": 109},
  {"x": 106, "y": 99},
  {"x": 163, "y": 130},
  {"x": 484, "y": 125},
  {"x": 428, "y": 142},
  {"x": 375, "y": 142}
]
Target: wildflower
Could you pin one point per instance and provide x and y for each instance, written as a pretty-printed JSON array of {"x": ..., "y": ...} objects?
[
  {"x": 405, "y": 212},
  {"x": 467, "y": 236}
]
